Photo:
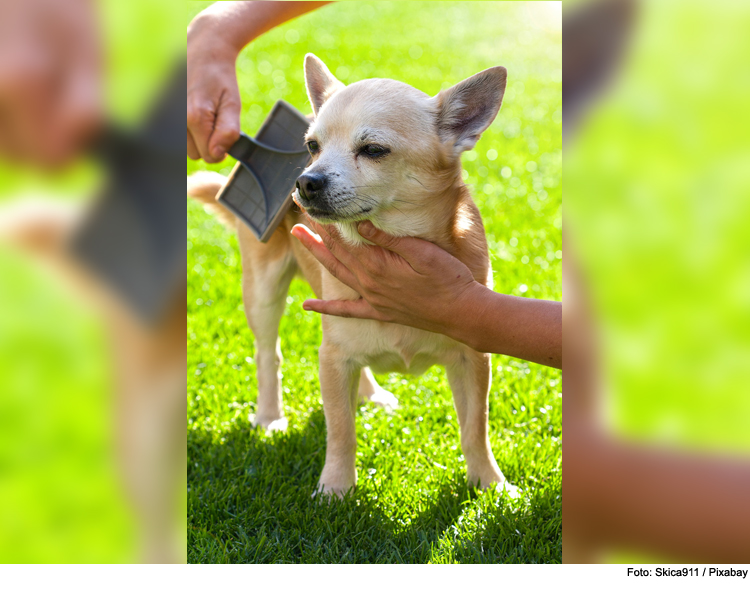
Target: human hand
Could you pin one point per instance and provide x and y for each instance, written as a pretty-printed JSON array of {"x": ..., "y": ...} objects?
[
  {"x": 214, "y": 40},
  {"x": 401, "y": 280},
  {"x": 50, "y": 79},
  {"x": 213, "y": 97}
]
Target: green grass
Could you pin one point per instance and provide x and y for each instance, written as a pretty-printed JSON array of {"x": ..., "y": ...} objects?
[
  {"x": 656, "y": 209},
  {"x": 61, "y": 489},
  {"x": 249, "y": 493},
  {"x": 657, "y": 212}
]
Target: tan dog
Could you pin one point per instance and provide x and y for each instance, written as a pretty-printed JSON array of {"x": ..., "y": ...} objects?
[
  {"x": 149, "y": 375},
  {"x": 385, "y": 152}
]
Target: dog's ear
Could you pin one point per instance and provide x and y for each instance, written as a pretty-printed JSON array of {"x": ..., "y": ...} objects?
[
  {"x": 465, "y": 110},
  {"x": 320, "y": 83}
]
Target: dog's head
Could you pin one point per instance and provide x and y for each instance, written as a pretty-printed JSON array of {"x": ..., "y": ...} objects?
[{"x": 382, "y": 149}]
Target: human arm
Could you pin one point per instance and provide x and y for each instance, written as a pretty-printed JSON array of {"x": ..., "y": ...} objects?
[
  {"x": 620, "y": 493},
  {"x": 413, "y": 282},
  {"x": 215, "y": 38}
]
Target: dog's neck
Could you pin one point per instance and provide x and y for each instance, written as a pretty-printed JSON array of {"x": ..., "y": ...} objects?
[
  {"x": 449, "y": 219},
  {"x": 434, "y": 219}
]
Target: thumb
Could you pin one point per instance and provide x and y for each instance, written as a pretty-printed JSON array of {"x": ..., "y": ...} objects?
[{"x": 405, "y": 246}]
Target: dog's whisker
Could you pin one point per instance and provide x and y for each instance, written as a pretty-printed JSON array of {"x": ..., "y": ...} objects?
[{"x": 415, "y": 179}]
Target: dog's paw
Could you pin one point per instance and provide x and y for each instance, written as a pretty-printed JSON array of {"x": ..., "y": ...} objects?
[
  {"x": 337, "y": 479},
  {"x": 493, "y": 479},
  {"x": 326, "y": 493},
  {"x": 512, "y": 491},
  {"x": 383, "y": 398},
  {"x": 279, "y": 424}
]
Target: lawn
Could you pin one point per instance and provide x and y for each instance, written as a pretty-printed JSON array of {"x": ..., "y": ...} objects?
[
  {"x": 249, "y": 493},
  {"x": 61, "y": 489},
  {"x": 657, "y": 211}
]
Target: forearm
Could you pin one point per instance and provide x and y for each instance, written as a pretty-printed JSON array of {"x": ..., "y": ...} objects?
[
  {"x": 628, "y": 496},
  {"x": 523, "y": 328},
  {"x": 235, "y": 24},
  {"x": 214, "y": 40}
]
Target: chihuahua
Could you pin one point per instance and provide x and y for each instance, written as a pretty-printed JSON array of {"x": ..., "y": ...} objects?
[{"x": 386, "y": 152}]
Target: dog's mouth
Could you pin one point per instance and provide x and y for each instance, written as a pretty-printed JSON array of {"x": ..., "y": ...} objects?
[
  {"x": 323, "y": 215},
  {"x": 326, "y": 215}
]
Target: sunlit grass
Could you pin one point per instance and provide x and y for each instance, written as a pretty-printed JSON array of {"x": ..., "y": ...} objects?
[
  {"x": 249, "y": 494},
  {"x": 62, "y": 493}
]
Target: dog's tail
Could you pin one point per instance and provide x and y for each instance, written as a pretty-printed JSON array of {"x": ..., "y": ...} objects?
[{"x": 204, "y": 186}]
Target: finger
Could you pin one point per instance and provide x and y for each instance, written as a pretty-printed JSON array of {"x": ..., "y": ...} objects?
[
  {"x": 81, "y": 104},
  {"x": 362, "y": 259},
  {"x": 418, "y": 253},
  {"x": 192, "y": 150},
  {"x": 334, "y": 242},
  {"x": 315, "y": 225},
  {"x": 227, "y": 129},
  {"x": 313, "y": 243},
  {"x": 26, "y": 100},
  {"x": 200, "y": 124},
  {"x": 358, "y": 309},
  {"x": 324, "y": 229},
  {"x": 80, "y": 113},
  {"x": 397, "y": 244}
]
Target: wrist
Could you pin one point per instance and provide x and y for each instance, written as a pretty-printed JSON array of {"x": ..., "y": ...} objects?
[
  {"x": 214, "y": 37},
  {"x": 466, "y": 320}
]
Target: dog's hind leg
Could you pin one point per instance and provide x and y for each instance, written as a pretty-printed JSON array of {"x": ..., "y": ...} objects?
[
  {"x": 370, "y": 391},
  {"x": 469, "y": 377},
  {"x": 267, "y": 272}
]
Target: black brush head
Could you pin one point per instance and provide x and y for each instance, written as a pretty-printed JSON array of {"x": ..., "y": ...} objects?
[
  {"x": 594, "y": 39},
  {"x": 259, "y": 189},
  {"x": 134, "y": 236}
]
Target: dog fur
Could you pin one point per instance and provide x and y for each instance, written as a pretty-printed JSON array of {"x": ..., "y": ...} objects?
[
  {"x": 149, "y": 366},
  {"x": 413, "y": 188}
]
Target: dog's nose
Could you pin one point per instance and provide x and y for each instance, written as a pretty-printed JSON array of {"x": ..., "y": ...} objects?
[{"x": 311, "y": 185}]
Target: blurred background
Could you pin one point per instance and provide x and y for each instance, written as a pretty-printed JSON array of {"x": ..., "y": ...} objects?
[
  {"x": 63, "y": 494},
  {"x": 656, "y": 211},
  {"x": 656, "y": 220}
]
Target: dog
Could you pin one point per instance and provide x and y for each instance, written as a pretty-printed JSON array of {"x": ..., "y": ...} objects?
[
  {"x": 386, "y": 152},
  {"x": 148, "y": 364}
]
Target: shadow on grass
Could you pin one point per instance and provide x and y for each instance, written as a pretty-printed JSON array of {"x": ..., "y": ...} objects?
[{"x": 249, "y": 501}]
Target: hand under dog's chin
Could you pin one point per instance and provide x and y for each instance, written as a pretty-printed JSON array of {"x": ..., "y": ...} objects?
[{"x": 350, "y": 234}]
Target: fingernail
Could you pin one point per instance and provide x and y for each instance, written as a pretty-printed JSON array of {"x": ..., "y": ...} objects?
[
  {"x": 300, "y": 236},
  {"x": 366, "y": 228},
  {"x": 218, "y": 152},
  {"x": 305, "y": 306}
]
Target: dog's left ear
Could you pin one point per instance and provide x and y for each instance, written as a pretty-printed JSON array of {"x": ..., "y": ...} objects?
[
  {"x": 321, "y": 84},
  {"x": 465, "y": 110}
]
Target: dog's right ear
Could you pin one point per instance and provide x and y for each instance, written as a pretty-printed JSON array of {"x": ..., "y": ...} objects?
[
  {"x": 320, "y": 83},
  {"x": 465, "y": 110}
]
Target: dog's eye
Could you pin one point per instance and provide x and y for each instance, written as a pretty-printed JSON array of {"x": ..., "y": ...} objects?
[
  {"x": 374, "y": 150},
  {"x": 312, "y": 147}
]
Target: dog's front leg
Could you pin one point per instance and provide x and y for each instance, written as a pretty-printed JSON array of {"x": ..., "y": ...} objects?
[
  {"x": 469, "y": 377},
  {"x": 339, "y": 379}
]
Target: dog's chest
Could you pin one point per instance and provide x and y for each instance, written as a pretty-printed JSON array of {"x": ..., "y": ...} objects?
[{"x": 386, "y": 347}]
